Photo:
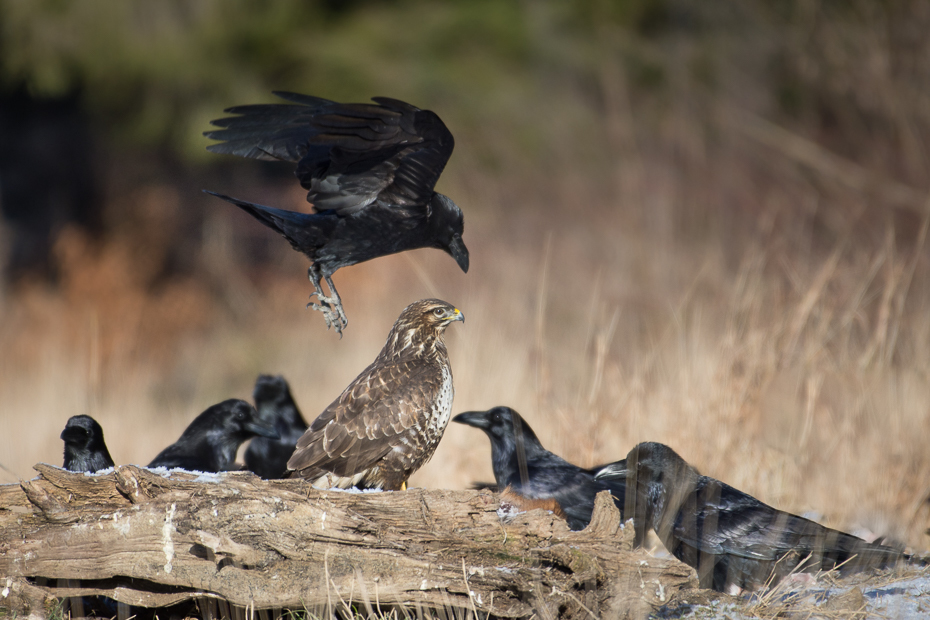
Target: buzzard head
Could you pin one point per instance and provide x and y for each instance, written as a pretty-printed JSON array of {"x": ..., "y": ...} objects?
[{"x": 420, "y": 326}]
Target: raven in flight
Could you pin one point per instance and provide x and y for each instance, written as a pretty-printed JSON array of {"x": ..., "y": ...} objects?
[
  {"x": 522, "y": 464},
  {"x": 85, "y": 450},
  {"x": 731, "y": 539},
  {"x": 265, "y": 456},
  {"x": 210, "y": 442},
  {"x": 369, "y": 171},
  {"x": 388, "y": 422}
]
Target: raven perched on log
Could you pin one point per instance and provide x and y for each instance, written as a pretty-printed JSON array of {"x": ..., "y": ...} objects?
[
  {"x": 522, "y": 464},
  {"x": 85, "y": 450},
  {"x": 388, "y": 422},
  {"x": 210, "y": 442},
  {"x": 265, "y": 456},
  {"x": 730, "y": 538},
  {"x": 369, "y": 170}
]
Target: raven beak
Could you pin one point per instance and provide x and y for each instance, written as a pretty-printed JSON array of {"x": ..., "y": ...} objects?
[
  {"x": 612, "y": 471},
  {"x": 459, "y": 252},
  {"x": 478, "y": 419},
  {"x": 262, "y": 429}
]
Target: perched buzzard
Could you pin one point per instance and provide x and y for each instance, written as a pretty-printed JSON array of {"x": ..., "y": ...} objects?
[
  {"x": 85, "y": 450},
  {"x": 733, "y": 540},
  {"x": 369, "y": 170},
  {"x": 211, "y": 441},
  {"x": 388, "y": 422},
  {"x": 525, "y": 468},
  {"x": 265, "y": 456}
]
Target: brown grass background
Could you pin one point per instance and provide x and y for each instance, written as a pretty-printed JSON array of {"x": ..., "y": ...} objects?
[{"x": 696, "y": 267}]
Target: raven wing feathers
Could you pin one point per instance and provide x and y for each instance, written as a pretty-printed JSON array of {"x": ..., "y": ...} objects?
[{"x": 348, "y": 155}]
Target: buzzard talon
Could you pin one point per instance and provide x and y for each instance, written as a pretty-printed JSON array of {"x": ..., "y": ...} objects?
[{"x": 369, "y": 170}]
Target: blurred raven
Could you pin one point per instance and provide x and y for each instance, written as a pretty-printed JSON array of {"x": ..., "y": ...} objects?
[
  {"x": 522, "y": 464},
  {"x": 210, "y": 442},
  {"x": 265, "y": 456},
  {"x": 369, "y": 171},
  {"x": 85, "y": 449},
  {"x": 733, "y": 540}
]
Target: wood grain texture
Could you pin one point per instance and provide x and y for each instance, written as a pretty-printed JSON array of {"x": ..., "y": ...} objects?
[{"x": 152, "y": 540}]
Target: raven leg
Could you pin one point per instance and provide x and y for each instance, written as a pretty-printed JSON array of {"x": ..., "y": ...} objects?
[{"x": 331, "y": 305}]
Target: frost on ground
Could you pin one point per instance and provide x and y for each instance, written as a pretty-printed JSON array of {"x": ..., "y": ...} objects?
[{"x": 900, "y": 595}]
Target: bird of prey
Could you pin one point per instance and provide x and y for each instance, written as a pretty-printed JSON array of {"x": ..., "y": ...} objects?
[
  {"x": 388, "y": 422},
  {"x": 730, "y": 538},
  {"x": 265, "y": 456},
  {"x": 210, "y": 442},
  {"x": 521, "y": 463},
  {"x": 85, "y": 450},
  {"x": 369, "y": 171}
]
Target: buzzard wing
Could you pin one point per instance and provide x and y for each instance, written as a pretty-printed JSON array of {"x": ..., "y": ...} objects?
[
  {"x": 368, "y": 420},
  {"x": 348, "y": 155}
]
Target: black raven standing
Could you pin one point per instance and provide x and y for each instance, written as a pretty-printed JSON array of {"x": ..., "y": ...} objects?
[
  {"x": 210, "y": 442},
  {"x": 265, "y": 456},
  {"x": 521, "y": 463},
  {"x": 732, "y": 540},
  {"x": 85, "y": 449},
  {"x": 387, "y": 423},
  {"x": 369, "y": 170}
]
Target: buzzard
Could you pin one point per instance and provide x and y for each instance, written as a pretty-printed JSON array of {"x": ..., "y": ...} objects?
[
  {"x": 210, "y": 442},
  {"x": 85, "y": 450},
  {"x": 369, "y": 171},
  {"x": 524, "y": 467},
  {"x": 733, "y": 540},
  {"x": 265, "y": 456},
  {"x": 388, "y": 422}
]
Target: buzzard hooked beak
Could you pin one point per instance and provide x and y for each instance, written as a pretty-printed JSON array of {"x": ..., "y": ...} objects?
[
  {"x": 459, "y": 252},
  {"x": 478, "y": 419},
  {"x": 457, "y": 315},
  {"x": 613, "y": 471},
  {"x": 262, "y": 429}
]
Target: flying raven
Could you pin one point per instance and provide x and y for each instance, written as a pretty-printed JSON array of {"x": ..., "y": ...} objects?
[
  {"x": 265, "y": 456},
  {"x": 85, "y": 449},
  {"x": 210, "y": 442},
  {"x": 369, "y": 170},
  {"x": 521, "y": 463},
  {"x": 733, "y": 540},
  {"x": 388, "y": 422}
]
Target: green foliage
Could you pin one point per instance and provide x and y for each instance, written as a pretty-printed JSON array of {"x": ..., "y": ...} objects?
[{"x": 526, "y": 83}]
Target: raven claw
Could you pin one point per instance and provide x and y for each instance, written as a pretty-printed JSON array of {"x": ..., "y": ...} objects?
[{"x": 330, "y": 306}]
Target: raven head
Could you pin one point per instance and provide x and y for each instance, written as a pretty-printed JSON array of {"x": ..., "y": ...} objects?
[
  {"x": 447, "y": 224},
  {"x": 505, "y": 428}
]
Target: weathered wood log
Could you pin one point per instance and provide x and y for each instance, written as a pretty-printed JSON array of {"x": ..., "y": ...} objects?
[{"x": 153, "y": 539}]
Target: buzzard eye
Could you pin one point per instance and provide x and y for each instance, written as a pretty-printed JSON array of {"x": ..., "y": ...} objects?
[{"x": 438, "y": 311}]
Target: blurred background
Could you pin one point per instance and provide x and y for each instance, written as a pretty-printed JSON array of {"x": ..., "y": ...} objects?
[{"x": 697, "y": 223}]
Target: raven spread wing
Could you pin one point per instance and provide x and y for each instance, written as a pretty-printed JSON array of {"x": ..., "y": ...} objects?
[{"x": 348, "y": 155}]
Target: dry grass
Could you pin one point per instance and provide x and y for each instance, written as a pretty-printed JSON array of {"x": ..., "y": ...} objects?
[
  {"x": 692, "y": 275},
  {"x": 793, "y": 369}
]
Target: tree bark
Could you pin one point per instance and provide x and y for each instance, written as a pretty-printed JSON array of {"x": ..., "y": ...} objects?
[{"x": 148, "y": 539}]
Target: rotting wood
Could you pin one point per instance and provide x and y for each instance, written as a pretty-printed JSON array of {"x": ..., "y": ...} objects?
[{"x": 148, "y": 539}]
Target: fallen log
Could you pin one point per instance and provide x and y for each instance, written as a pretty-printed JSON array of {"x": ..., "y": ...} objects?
[{"x": 153, "y": 538}]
